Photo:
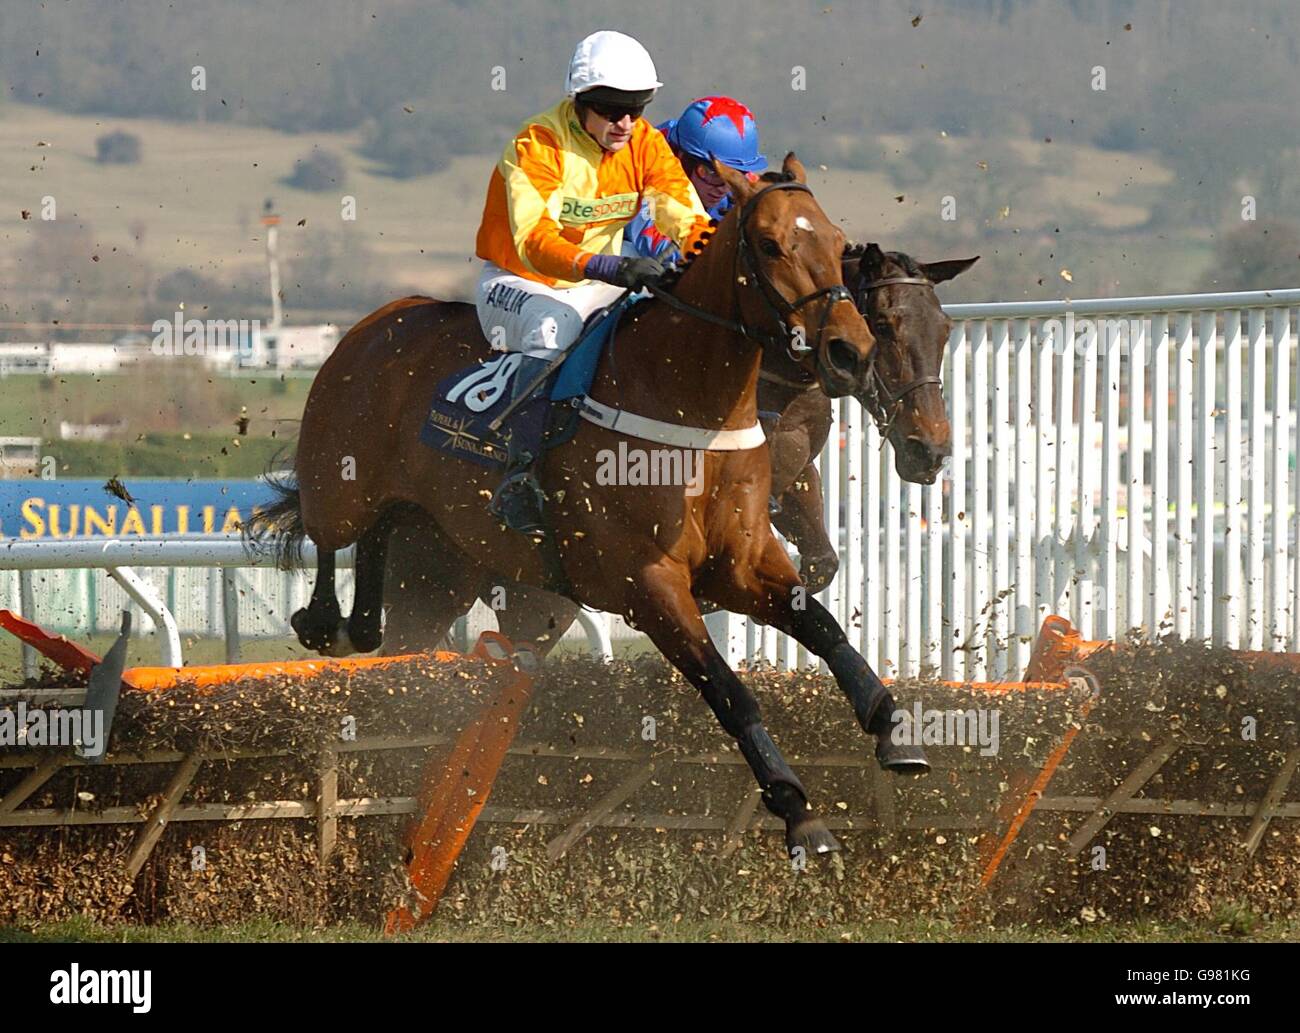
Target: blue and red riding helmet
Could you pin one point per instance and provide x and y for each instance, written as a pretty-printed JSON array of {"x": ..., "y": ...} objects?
[{"x": 717, "y": 127}]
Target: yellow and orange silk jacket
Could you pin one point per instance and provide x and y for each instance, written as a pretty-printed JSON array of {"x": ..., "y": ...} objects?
[{"x": 557, "y": 197}]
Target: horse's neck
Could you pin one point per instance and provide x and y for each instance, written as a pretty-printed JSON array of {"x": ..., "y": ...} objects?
[{"x": 675, "y": 367}]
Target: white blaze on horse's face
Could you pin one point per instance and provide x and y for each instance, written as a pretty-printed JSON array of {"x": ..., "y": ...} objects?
[{"x": 803, "y": 224}]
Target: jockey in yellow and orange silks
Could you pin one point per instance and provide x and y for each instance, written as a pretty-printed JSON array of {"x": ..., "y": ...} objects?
[{"x": 553, "y": 221}]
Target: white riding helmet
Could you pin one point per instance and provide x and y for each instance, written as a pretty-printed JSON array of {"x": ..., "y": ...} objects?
[{"x": 610, "y": 59}]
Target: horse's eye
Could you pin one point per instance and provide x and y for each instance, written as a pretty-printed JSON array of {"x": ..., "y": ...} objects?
[{"x": 770, "y": 247}]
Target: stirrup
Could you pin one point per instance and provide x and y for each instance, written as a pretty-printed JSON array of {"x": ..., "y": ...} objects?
[{"x": 517, "y": 504}]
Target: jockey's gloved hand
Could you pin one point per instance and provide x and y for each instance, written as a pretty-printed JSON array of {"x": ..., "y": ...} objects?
[
  {"x": 625, "y": 272},
  {"x": 639, "y": 272}
]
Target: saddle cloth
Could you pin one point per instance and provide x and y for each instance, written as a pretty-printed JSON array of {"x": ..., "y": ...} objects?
[{"x": 465, "y": 403}]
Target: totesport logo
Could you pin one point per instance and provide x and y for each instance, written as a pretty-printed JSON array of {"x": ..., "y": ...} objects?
[{"x": 580, "y": 210}]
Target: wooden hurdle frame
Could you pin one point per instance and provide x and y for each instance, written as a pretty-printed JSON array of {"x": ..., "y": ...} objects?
[
  {"x": 1060, "y": 652},
  {"x": 444, "y": 819}
]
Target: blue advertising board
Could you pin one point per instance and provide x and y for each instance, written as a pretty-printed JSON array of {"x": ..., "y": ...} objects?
[{"x": 35, "y": 510}]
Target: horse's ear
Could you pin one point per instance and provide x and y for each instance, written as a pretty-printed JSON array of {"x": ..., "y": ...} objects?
[
  {"x": 737, "y": 182},
  {"x": 938, "y": 272},
  {"x": 793, "y": 168},
  {"x": 870, "y": 259}
]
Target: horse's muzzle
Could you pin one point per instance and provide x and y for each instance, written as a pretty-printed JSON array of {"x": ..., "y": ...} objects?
[
  {"x": 840, "y": 367},
  {"x": 920, "y": 461}
]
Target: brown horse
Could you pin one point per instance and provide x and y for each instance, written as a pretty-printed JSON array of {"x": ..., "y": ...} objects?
[
  {"x": 904, "y": 394},
  {"x": 895, "y": 294},
  {"x": 771, "y": 276}
]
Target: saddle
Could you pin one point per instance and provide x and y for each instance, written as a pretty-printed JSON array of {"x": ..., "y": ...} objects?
[{"x": 465, "y": 404}]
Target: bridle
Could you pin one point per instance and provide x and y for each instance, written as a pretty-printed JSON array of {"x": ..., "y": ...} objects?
[
  {"x": 884, "y": 404},
  {"x": 777, "y": 305}
]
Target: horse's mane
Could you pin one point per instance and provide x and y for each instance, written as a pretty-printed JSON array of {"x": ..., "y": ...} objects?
[{"x": 906, "y": 261}]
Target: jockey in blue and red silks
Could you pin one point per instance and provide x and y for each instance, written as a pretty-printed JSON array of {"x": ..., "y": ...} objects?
[{"x": 710, "y": 127}]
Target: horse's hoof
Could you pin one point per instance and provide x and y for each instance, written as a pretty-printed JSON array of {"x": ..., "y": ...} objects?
[
  {"x": 812, "y": 835},
  {"x": 901, "y": 758},
  {"x": 309, "y": 635}
]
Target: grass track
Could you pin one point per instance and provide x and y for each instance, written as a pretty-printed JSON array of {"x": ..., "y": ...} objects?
[{"x": 449, "y": 931}]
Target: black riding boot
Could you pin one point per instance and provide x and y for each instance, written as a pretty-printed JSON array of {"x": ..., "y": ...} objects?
[{"x": 518, "y": 501}]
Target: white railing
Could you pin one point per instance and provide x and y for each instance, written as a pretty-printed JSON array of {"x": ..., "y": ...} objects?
[
  {"x": 125, "y": 561},
  {"x": 1043, "y": 512}
]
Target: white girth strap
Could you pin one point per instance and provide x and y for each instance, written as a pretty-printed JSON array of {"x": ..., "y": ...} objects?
[{"x": 635, "y": 426}]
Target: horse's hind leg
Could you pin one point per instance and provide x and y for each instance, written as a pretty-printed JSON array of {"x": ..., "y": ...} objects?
[
  {"x": 429, "y": 583},
  {"x": 318, "y": 625},
  {"x": 321, "y": 626},
  {"x": 668, "y": 614},
  {"x": 364, "y": 632}
]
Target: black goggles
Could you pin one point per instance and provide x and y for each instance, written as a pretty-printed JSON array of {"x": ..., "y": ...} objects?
[{"x": 612, "y": 113}]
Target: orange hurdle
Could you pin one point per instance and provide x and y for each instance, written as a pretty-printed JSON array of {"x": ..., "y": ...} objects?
[
  {"x": 457, "y": 788},
  {"x": 154, "y": 679},
  {"x": 1057, "y": 647}
]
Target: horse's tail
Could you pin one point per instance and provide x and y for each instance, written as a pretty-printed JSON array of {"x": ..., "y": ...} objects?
[{"x": 278, "y": 528}]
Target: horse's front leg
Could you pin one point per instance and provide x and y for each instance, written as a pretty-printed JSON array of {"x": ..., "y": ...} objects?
[
  {"x": 665, "y": 611},
  {"x": 793, "y": 443},
  {"x": 802, "y": 520},
  {"x": 770, "y": 591}
]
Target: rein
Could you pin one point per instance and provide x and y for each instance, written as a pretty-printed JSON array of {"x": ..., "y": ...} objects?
[
  {"x": 778, "y": 305},
  {"x": 798, "y": 385}
]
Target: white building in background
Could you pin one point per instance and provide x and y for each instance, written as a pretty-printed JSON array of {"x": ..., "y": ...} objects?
[
  {"x": 290, "y": 347},
  {"x": 19, "y": 457},
  {"x": 68, "y": 357},
  {"x": 50, "y": 358},
  {"x": 24, "y": 357}
]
